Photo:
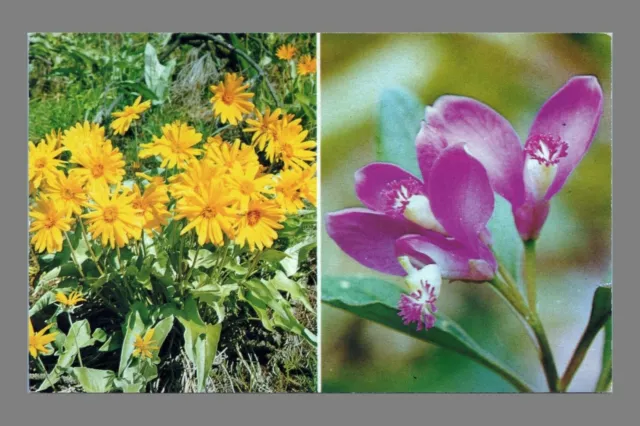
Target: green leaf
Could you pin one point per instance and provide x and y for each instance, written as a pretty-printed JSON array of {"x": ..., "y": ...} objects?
[
  {"x": 113, "y": 342},
  {"x": 376, "y": 300},
  {"x": 93, "y": 380},
  {"x": 45, "y": 300},
  {"x": 273, "y": 255},
  {"x": 206, "y": 259},
  {"x": 156, "y": 75},
  {"x": 79, "y": 336},
  {"x": 161, "y": 331},
  {"x": 606, "y": 375},
  {"x": 134, "y": 327},
  {"x": 292, "y": 262},
  {"x": 200, "y": 341},
  {"x": 214, "y": 294},
  {"x": 294, "y": 288},
  {"x": 399, "y": 122}
]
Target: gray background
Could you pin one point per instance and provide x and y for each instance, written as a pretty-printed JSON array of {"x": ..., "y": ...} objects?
[{"x": 17, "y": 407}]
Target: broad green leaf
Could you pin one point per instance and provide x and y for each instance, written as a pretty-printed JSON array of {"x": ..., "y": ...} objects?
[
  {"x": 376, "y": 300},
  {"x": 161, "y": 331},
  {"x": 156, "y": 75},
  {"x": 399, "y": 122},
  {"x": 273, "y": 255},
  {"x": 298, "y": 293},
  {"x": 134, "y": 327},
  {"x": 66, "y": 270},
  {"x": 79, "y": 336},
  {"x": 205, "y": 259},
  {"x": 507, "y": 244},
  {"x": 200, "y": 341},
  {"x": 291, "y": 263},
  {"x": 93, "y": 380},
  {"x": 214, "y": 294},
  {"x": 45, "y": 300},
  {"x": 113, "y": 342}
]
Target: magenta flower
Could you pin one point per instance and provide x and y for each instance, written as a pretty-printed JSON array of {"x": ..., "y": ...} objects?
[
  {"x": 440, "y": 220},
  {"x": 527, "y": 177}
]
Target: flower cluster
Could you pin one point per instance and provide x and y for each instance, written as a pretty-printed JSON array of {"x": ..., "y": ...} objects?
[{"x": 306, "y": 64}]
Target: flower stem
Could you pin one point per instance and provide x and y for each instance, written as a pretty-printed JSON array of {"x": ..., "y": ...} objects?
[
  {"x": 86, "y": 240},
  {"x": 46, "y": 373},
  {"x": 75, "y": 338},
  {"x": 193, "y": 264},
  {"x": 73, "y": 255},
  {"x": 530, "y": 272},
  {"x": 120, "y": 260}
]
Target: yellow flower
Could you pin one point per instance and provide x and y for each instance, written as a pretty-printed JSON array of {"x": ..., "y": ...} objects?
[
  {"x": 307, "y": 65},
  {"x": 175, "y": 147},
  {"x": 38, "y": 341},
  {"x": 288, "y": 193},
  {"x": 225, "y": 155},
  {"x": 263, "y": 127},
  {"x": 68, "y": 191},
  {"x": 131, "y": 112},
  {"x": 99, "y": 164},
  {"x": 309, "y": 184},
  {"x": 70, "y": 301},
  {"x": 42, "y": 162},
  {"x": 286, "y": 52},
  {"x": 113, "y": 217},
  {"x": 50, "y": 220},
  {"x": 209, "y": 211},
  {"x": 281, "y": 129},
  {"x": 144, "y": 345},
  {"x": 258, "y": 224},
  {"x": 82, "y": 136},
  {"x": 247, "y": 184},
  {"x": 230, "y": 101},
  {"x": 152, "y": 204},
  {"x": 198, "y": 174},
  {"x": 290, "y": 146},
  {"x": 54, "y": 138}
]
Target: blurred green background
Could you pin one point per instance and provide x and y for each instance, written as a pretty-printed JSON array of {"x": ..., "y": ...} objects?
[{"x": 514, "y": 74}]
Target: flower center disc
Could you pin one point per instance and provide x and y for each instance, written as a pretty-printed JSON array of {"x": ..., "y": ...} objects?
[
  {"x": 67, "y": 194},
  {"x": 253, "y": 217},
  {"x": 546, "y": 149},
  {"x": 41, "y": 163},
  {"x": 288, "y": 150},
  {"x": 209, "y": 212},
  {"x": 228, "y": 98},
  {"x": 49, "y": 222},
  {"x": 246, "y": 187},
  {"x": 97, "y": 170},
  {"x": 110, "y": 214}
]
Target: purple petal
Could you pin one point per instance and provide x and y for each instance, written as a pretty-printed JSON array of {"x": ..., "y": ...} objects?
[
  {"x": 429, "y": 145},
  {"x": 373, "y": 180},
  {"x": 461, "y": 196},
  {"x": 530, "y": 217},
  {"x": 489, "y": 137},
  {"x": 455, "y": 260},
  {"x": 369, "y": 237},
  {"x": 571, "y": 114}
]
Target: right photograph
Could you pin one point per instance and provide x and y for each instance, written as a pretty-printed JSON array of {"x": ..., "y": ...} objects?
[{"x": 466, "y": 213}]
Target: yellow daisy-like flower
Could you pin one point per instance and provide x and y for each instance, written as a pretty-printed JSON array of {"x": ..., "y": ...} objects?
[
  {"x": 258, "y": 224},
  {"x": 247, "y": 184},
  {"x": 38, "y": 341},
  {"x": 288, "y": 193},
  {"x": 291, "y": 146},
  {"x": 54, "y": 138},
  {"x": 286, "y": 52},
  {"x": 309, "y": 184},
  {"x": 82, "y": 136},
  {"x": 175, "y": 147},
  {"x": 131, "y": 112},
  {"x": 50, "y": 220},
  {"x": 152, "y": 204},
  {"x": 144, "y": 345},
  {"x": 99, "y": 164},
  {"x": 282, "y": 129},
  {"x": 68, "y": 191},
  {"x": 42, "y": 162},
  {"x": 113, "y": 218},
  {"x": 225, "y": 155},
  {"x": 307, "y": 65},
  {"x": 263, "y": 127},
  {"x": 230, "y": 101},
  {"x": 209, "y": 211},
  {"x": 70, "y": 301},
  {"x": 196, "y": 176}
]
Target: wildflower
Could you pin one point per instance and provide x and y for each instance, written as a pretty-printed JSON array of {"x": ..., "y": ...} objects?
[
  {"x": 309, "y": 184},
  {"x": 247, "y": 185},
  {"x": 152, "y": 204},
  {"x": 99, "y": 164},
  {"x": 263, "y": 127},
  {"x": 290, "y": 146},
  {"x": 38, "y": 341},
  {"x": 209, "y": 211},
  {"x": 226, "y": 155},
  {"x": 70, "y": 301},
  {"x": 288, "y": 194},
  {"x": 144, "y": 345},
  {"x": 419, "y": 304},
  {"x": 43, "y": 163},
  {"x": 527, "y": 177},
  {"x": 113, "y": 219},
  {"x": 175, "y": 147},
  {"x": 258, "y": 223},
  {"x": 80, "y": 136},
  {"x": 441, "y": 220},
  {"x": 198, "y": 174},
  {"x": 68, "y": 191},
  {"x": 307, "y": 65},
  {"x": 131, "y": 112},
  {"x": 54, "y": 138},
  {"x": 50, "y": 220},
  {"x": 230, "y": 101},
  {"x": 286, "y": 52}
]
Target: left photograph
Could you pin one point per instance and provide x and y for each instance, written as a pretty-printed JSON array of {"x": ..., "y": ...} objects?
[{"x": 172, "y": 213}]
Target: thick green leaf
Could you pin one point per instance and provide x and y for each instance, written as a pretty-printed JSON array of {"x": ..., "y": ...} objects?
[
  {"x": 161, "y": 331},
  {"x": 291, "y": 263},
  {"x": 205, "y": 259},
  {"x": 79, "y": 336},
  {"x": 93, "y": 380},
  {"x": 134, "y": 327},
  {"x": 399, "y": 122},
  {"x": 214, "y": 294},
  {"x": 45, "y": 300},
  {"x": 376, "y": 300},
  {"x": 156, "y": 75},
  {"x": 294, "y": 288},
  {"x": 113, "y": 342}
]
